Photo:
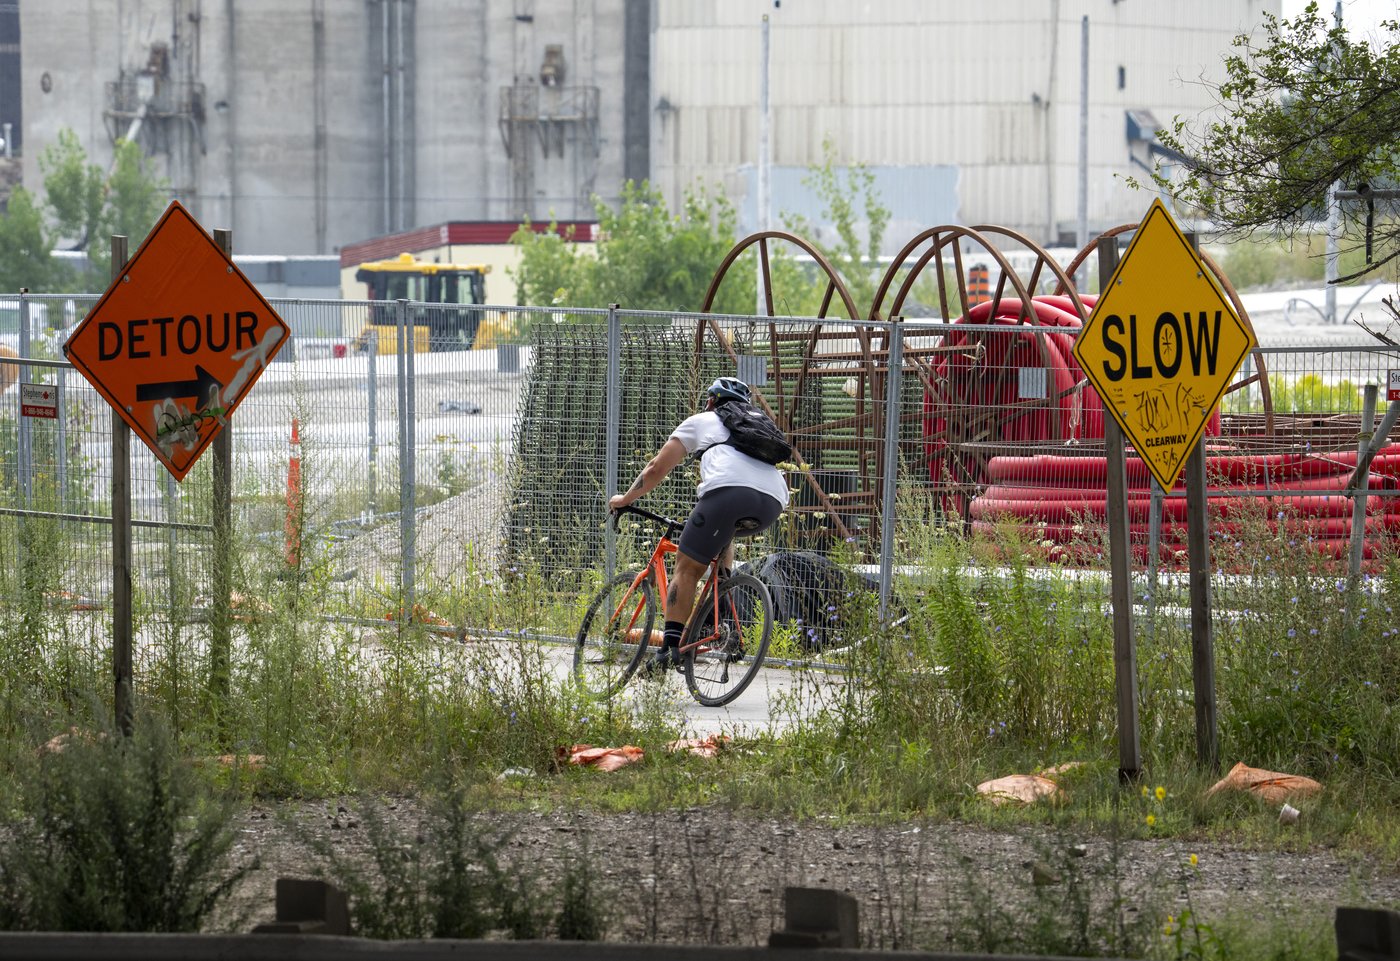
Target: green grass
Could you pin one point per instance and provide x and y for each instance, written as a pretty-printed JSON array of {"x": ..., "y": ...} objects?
[
  {"x": 1000, "y": 667},
  {"x": 1308, "y": 394}
]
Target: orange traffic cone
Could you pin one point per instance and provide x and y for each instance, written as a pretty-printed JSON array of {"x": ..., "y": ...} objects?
[
  {"x": 979, "y": 285},
  {"x": 294, "y": 518}
]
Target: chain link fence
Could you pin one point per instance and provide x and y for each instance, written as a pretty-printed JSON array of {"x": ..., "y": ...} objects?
[{"x": 418, "y": 455}]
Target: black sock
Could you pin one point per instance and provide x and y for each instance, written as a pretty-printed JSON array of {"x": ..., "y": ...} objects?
[{"x": 673, "y": 631}]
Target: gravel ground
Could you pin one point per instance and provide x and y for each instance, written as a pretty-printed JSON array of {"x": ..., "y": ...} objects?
[
  {"x": 465, "y": 528},
  {"x": 706, "y": 876}
]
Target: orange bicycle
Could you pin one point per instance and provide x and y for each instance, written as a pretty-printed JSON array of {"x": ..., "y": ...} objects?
[{"x": 723, "y": 644}]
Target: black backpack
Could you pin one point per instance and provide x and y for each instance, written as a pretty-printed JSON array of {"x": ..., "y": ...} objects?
[{"x": 753, "y": 432}]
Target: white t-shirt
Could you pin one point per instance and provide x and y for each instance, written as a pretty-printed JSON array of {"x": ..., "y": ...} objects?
[{"x": 724, "y": 466}]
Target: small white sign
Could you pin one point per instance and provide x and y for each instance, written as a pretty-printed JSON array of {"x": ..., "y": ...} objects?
[
  {"x": 38, "y": 400},
  {"x": 1392, "y": 390},
  {"x": 1032, "y": 383}
]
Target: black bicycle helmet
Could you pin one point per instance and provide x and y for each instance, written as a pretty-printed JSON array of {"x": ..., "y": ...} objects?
[{"x": 729, "y": 388}]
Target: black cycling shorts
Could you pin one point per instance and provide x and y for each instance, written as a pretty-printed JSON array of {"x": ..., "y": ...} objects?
[{"x": 722, "y": 514}]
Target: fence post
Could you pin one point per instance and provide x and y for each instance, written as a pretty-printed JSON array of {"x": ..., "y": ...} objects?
[
  {"x": 22, "y": 435},
  {"x": 411, "y": 482},
  {"x": 1358, "y": 498},
  {"x": 613, "y": 428},
  {"x": 407, "y": 487},
  {"x": 895, "y": 368},
  {"x": 62, "y": 444},
  {"x": 25, "y": 435},
  {"x": 372, "y": 350}
]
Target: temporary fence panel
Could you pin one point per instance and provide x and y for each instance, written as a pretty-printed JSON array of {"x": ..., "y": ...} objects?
[{"x": 451, "y": 462}]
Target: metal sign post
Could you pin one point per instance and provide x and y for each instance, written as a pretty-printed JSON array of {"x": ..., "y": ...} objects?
[{"x": 221, "y": 624}]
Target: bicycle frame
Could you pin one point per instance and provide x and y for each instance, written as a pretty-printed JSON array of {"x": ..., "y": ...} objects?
[
  {"x": 656, "y": 568},
  {"x": 710, "y": 595}
]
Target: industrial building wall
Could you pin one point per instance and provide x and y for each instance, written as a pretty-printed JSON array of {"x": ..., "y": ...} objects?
[
  {"x": 554, "y": 167},
  {"x": 310, "y": 124},
  {"x": 991, "y": 88},
  {"x": 307, "y": 125}
]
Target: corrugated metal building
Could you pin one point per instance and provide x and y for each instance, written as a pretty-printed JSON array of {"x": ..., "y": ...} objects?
[
  {"x": 309, "y": 125},
  {"x": 983, "y": 97}
]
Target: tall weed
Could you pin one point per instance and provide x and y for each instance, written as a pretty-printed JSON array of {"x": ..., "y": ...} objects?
[
  {"x": 116, "y": 834},
  {"x": 446, "y": 877}
]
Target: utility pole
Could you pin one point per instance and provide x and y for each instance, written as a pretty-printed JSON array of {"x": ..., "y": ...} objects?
[
  {"x": 1082, "y": 235},
  {"x": 1334, "y": 223},
  {"x": 764, "y": 159}
]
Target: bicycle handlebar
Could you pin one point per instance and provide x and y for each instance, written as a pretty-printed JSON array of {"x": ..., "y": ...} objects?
[{"x": 642, "y": 512}]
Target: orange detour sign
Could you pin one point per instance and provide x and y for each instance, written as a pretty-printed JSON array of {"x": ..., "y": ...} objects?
[{"x": 177, "y": 341}]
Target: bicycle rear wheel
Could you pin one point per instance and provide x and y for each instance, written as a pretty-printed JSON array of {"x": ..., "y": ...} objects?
[
  {"x": 615, "y": 634},
  {"x": 718, "y": 670}
]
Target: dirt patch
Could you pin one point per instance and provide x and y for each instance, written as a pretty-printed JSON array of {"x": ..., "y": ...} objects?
[{"x": 709, "y": 876}]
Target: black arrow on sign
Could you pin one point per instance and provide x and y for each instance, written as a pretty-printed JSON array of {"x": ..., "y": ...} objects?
[{"x": 199, "y": 388}]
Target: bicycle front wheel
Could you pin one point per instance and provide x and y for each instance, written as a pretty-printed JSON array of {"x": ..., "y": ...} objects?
[
  {"x": 615, "y": 634},
  {"x": 728, "y": 657}
]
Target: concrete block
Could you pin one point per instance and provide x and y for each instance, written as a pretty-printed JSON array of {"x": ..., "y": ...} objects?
[
  {"x": 818, "y": 918},
  {"x": 1365, "y": 934},
  {"x": 308, "y": 907}
]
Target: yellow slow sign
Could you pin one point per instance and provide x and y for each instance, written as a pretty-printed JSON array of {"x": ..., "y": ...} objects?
[{"x": 1161, "y": 345}]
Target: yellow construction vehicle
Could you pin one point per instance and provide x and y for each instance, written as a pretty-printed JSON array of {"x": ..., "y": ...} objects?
[{"x": 459, "y": 323}]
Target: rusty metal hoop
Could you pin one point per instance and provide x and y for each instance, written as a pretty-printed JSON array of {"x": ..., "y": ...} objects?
[
  {"x": 835, "y": 285},
  {"x": 835, "y": 288},
  {"x": 969, "y": 426}
]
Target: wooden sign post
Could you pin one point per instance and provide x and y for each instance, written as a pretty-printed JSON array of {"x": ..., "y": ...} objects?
[
  {"x": 174, "y": 345},
  {"x": 1161, "y": 346}
]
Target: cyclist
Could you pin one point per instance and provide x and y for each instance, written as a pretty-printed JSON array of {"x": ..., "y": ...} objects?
[{"x": 738, "y": 495}]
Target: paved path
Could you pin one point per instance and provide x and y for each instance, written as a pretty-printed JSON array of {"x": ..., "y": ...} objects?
[{"x": 770, "y": 703}]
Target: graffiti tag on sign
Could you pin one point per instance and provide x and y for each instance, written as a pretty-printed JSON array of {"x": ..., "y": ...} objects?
[
  {"x": 177, "y": 340},
  {"x": 1161, "y": 345}
]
